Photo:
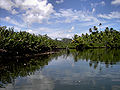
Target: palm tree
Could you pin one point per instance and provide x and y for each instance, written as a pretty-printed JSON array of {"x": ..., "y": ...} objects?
[
  {"x": 90, "y": 30},
  {"x": 95, "y": 28},
  {"x": 100, "y": 25},
  {"x": 111, "y": 29}
]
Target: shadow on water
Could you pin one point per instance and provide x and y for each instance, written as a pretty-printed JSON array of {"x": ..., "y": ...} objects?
[{"x": 11, "y": 68}]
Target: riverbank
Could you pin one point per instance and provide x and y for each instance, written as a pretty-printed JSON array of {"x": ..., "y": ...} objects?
[
  {"x": 95, "y": 47},
  {"x": 4, "y": 54}
]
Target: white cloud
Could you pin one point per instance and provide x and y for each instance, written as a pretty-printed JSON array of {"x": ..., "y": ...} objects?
[
  {"x": 38, "y": 81},
  {"x": 112, "y": 15},
  {"x": 53, "y": 32},
  {"x": 37, "y": 10},
  {"x": 72, "y": 28},
  {"x": 41, "y": 30},
  {"x": 12, "y": 21},
  {"x": 7, "y": 18},
  {"x": 60, "y": 34},
  {"x": 6, "y": 4},
  {"x": 69, "y": 15},
  {"x": 32, "y": 10},
  {"x": 16, "y": 28},
  {"x": 102, "y": 3},
  {"x": 30, "y": 31},
  {"x": 14, "y": 11},
  {"x": 96, "y": 4},
  {"x": 93, "y": 10},
  {"x": 115, "y": 2},
  {"x": 59, "y": 1}
]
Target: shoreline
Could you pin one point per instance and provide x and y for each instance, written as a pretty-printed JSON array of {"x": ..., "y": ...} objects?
[
  {"x": 29, "y": 55},
  {"x": 4, "y": 53}
]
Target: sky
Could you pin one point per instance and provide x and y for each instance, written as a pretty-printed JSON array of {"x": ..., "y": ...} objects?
[{"x": 59, "y": 18}]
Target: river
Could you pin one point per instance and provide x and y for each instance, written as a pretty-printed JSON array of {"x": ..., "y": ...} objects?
[{"x": 92, "y": 69}]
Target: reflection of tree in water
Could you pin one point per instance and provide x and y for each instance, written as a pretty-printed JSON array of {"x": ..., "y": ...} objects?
[
  {"x": 11, "y": 68},
  {"x": 98, "y": 56}
]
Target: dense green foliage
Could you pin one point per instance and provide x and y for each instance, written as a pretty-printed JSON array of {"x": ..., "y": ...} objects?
[
  {"x": 68, "y": 43},
  {"x": 26, "y": 43},
  {"x": 109, "y": 38}
]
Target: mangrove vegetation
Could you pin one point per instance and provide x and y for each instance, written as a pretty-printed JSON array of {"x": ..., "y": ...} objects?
[
  {"x": 108, "y": 38},
  {"x": 20, "y": 43}
]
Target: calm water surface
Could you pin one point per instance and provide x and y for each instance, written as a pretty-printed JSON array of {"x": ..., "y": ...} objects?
[{"x": 97, "y": 69}]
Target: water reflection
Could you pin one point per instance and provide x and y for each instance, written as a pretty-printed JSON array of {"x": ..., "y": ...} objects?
[
  {"x": 98, "y": 56},
  {"x": 92, "y": 69},
  {"x": 32, "y": 82},
  {"x": 12, "y": 67},
  {"x": 74, "y": 72}
]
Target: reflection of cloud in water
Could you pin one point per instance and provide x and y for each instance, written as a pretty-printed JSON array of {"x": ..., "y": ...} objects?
[
  {"x": 32, "y": 82},
  {"x": 67, "y": 72},
  {"x": 62, "y": 60}
]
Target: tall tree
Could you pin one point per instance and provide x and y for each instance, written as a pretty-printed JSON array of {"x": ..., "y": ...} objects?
[{"x": 100, "y": 26}]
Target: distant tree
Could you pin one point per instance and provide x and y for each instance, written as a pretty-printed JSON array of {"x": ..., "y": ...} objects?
[
  {"x": 106, "y": 30},
  {"x": 75, "y": 37},
  {"x": 111, "y": 29},
  {"x": 66, "y": 40},
  {"x": 100, "y": 25},
  {"x": 90, "y": 30},
  {"x": 95, "y": 28}
]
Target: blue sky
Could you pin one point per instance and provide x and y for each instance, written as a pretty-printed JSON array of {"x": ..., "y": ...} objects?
[{"x": 59, "y": 18}]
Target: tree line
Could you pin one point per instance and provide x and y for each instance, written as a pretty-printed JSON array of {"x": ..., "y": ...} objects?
[
  {"x": 20, "y": 43},
  {"x": 108, "y": 38}
]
